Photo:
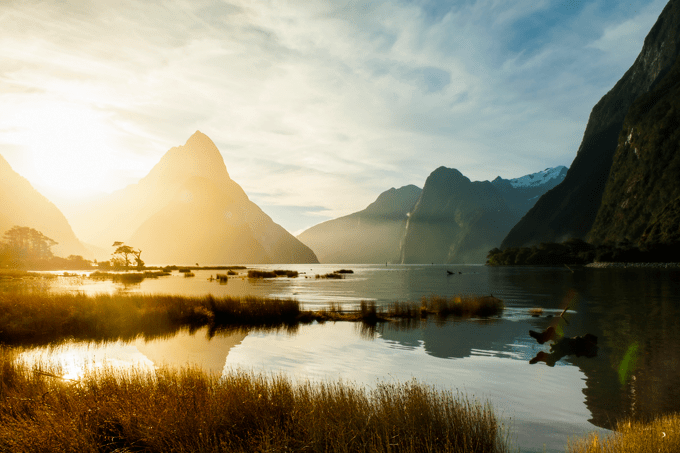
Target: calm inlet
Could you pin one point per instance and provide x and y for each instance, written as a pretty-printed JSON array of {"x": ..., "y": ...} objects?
[{"x": 634, "y": 314}]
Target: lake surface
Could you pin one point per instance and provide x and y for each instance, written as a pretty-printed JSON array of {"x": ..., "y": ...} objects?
[{"x": 635, "y": 313}]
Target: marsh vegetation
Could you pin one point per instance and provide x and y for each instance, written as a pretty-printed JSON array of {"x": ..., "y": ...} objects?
[
  {"x": 41, "y": 317},
  {"x": 659, "y": 435},
  {"x": 189, "y": 410},
  {"x": 127, "y": 277},
  {"x": 254, "y": 273}
]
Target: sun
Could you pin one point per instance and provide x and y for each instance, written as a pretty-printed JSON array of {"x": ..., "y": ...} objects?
[{"x": 70, "y": 148}]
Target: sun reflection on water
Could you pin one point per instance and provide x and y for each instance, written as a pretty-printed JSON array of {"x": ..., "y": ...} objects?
[{"x": 71, "y": 360}]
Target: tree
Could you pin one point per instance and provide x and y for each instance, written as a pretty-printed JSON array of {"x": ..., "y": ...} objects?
[
  {"x": 123, "y": 253},
  {"x": 24, "y": 244}
]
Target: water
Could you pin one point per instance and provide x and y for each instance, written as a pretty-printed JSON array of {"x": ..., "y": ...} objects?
[{"x": 634, "y": 313}]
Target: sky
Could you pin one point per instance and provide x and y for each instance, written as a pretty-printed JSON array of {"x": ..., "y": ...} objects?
[{"x": 317, "y": 106}]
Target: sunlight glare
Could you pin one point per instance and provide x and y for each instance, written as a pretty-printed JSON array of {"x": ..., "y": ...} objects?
[{"x": 71, "y": 147}]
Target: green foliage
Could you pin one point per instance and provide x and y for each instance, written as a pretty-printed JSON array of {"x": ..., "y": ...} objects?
[
  {"x": 578, "y": 252},
  {"x": 641, "y": 199},
  {"x": 573, "y": 251}
]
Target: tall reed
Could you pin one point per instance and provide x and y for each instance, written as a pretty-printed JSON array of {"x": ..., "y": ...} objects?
[
  {"x": 41, "y": 317},
  {"x": 38, "y": 317},
  {"x": 659, "y": 435},
  {"x": 188, "y": 410},
  {"x": 460, "y": 306}
]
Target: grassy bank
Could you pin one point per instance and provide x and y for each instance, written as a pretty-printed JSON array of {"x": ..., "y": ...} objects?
[
  {"x": 660, "y": 435},
  {"x": 187, "y": 410},
  {"x": 43, "y": 317},
  {"x": 127, "y": 277},
  {"x": 272, "y": 274},
  {"x": 21, "y": 274},
  {"x": 459, "y": 306}
]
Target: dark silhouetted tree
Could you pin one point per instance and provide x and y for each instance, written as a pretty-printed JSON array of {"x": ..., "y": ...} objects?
[{"x": 123, "y": 253}]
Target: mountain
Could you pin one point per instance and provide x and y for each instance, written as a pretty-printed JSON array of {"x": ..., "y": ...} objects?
[
  {"x": 641, "y": 201},
  {"x": 458, "y": 221},
  {"x": 570, "y": 209},
  {"x": 188, "y": 209},
  {"x": 22, "y": 205},
  {"x": 369, "y": 236},
  {"x": 455, "y": 220}
]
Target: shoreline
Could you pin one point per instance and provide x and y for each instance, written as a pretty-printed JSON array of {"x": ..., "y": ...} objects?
[{"x": 606, "y": 265}]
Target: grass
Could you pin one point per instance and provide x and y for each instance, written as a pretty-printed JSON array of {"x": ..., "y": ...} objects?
[
  {"x": 253, "y": 273},
  {"x": 188, "y": 410},
  {"x": 536, "y": 311},
  {"x": 127, "y": 277},
  {"x": 659, "y": 435},
  {"x": 339, "y": 274},
  {"x": 40, "y": 317},
  {"x": 43, "y": 317},
  {"x": 331, "y": 275},
  {"x": 460, "y": 306},
  {"x": 10, "y": 274}
]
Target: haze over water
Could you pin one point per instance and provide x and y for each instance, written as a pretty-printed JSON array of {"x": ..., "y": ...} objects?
[{"x": 635, "y": 371}]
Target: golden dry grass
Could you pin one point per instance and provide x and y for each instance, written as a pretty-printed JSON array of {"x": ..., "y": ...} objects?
[
  {"x": 659, "y": 435},
  {"x": 42, "y": 317},
  {"x": 536, "y": 311},
  {"x": 187, "y": 410},
  {"x": 39, "y": 317},
  {"x": 460, "y": 306}
]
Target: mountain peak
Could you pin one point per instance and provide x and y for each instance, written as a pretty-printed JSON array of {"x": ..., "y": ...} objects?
[
  {"x": 446, "y": 177},
  {"x": 197, "y": 157},
  {"x": 198, "y": 139}
]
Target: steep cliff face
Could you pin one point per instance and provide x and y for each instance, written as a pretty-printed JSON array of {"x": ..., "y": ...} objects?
[
  {"x": 188, "y": 209},
  {"x": 22, "y": 205},
  {"x": 370, "y": 236},
  {"x": 569, "y": 210},
  {"x": 640, "y": 201},
  {"x": 455, "y": 220}
]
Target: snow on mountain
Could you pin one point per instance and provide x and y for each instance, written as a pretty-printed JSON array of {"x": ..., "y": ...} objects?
[{"x": 539, "y": 178}]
